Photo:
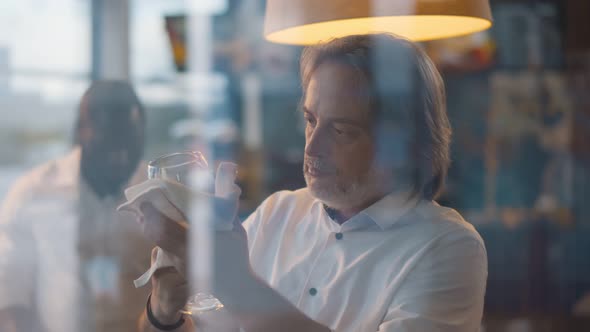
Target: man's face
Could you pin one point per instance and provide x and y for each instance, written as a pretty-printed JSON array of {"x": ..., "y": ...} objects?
[
  {"x": 339, "y": 151},
  {"x": 111, "y": 152}
]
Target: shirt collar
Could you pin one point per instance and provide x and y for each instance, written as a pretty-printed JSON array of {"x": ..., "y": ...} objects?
[
  {"x": 384, "y": 213},
  {"x": 389, "y": 209}
]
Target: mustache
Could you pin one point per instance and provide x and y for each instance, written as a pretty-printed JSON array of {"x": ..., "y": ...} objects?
[{"x": 318, "y": 164}]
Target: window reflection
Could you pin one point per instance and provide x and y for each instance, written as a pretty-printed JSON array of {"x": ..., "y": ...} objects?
[{"x": 202, "y": 78}]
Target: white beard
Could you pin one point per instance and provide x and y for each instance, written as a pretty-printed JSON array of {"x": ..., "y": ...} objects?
[{"x": 345, "y": 195}]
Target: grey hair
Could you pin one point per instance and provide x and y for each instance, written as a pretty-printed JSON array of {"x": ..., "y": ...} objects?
[{"x": 405, "y": 91}]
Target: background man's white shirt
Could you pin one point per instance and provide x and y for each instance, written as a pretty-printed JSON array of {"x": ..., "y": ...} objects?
[
  {"x": 67, "y": 254},
  {"x": 396, "y": 266}
]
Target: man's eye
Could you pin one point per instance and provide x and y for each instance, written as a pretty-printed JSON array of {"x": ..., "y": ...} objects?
[{"x": 341, "y": 130}]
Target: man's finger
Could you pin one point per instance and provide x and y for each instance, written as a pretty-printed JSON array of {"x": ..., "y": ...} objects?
[
  {"x": 165, "y": 232},
  {"x": 172, "y": 275},
  {"x": 149, "y": 211}
]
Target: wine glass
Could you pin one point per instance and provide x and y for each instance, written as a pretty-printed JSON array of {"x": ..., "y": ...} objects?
[{"x": 181, "y": 167}]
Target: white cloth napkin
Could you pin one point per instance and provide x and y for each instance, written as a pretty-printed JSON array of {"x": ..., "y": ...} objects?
[{"x": 174, "y": 200}]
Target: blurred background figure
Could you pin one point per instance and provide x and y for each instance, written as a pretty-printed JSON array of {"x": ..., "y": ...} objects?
[{"x": 67, "y": 258}]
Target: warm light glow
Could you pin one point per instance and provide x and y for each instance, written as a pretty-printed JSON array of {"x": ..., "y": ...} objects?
[
  {"x": 304, "y": 22},
  {"x": 416, "y": 27}
]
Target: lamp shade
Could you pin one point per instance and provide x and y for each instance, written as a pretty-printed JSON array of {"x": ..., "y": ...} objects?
[{"x": 304, "y": 22}]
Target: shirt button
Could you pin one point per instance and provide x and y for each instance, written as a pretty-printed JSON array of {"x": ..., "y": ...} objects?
[
  {"x": 313, "y": 291},
  {"x": 339, "y": 236}
]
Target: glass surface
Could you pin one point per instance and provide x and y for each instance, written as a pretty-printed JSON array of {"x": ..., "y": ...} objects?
[
  {"x": 178, "y": 167},
  {"x": 207, "y": 80}
]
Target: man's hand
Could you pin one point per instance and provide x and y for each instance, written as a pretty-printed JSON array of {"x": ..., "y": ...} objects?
[
  {"x": 170, "y": 291},
  {"x": 252, "y": 303},
  {"x": 231, "y": 260},
  {"x": 169, "y": 295},
  {"x": 166, "y": 233}
]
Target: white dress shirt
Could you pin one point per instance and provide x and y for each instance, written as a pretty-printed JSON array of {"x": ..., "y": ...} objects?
[
  {"x": 68, "y": 255},
  {"x": 396, "y": 266}
]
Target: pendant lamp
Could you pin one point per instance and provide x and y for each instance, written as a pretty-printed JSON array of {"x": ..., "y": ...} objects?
[{"x": 305, "y": 22}]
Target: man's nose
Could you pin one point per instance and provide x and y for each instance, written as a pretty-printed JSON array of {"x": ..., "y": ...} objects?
[{"x": 317, "y": 143}]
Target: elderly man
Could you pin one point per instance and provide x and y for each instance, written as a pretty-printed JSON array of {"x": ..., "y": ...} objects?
[
  {"x": 364, "y": 247},
  {"x": 67, "y": 258}
]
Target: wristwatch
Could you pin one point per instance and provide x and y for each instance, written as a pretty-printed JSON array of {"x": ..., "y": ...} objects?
[{"x": 156, "y": 323}]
